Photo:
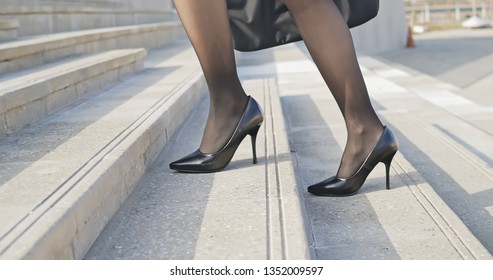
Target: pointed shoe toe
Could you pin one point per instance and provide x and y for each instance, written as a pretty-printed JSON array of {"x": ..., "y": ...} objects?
[
  {"x": 331, "y": 187},
  {"x": 194, "y": 162}
]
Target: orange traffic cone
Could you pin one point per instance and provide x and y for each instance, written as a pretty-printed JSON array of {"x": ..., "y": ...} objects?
[{"x": 410, "y": 40}]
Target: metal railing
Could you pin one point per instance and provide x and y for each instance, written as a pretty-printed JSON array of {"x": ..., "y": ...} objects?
[{"x": 422, "y": 11}]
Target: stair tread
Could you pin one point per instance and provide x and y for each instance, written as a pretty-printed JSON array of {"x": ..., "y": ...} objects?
[
  {"x": 10, "y": 81},
  {"x": 26, "y": 52},
  {"x": 29, "y": 45},
  {"x": 26, "y": 96}
]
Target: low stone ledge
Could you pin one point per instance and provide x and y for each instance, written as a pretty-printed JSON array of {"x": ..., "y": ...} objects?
[{"x": 20, "y": 55}]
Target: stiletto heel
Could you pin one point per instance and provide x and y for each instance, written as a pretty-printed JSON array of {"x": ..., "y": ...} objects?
[
  {"x": 253, "y": 135},
  {"x": 384, "y": 151},
  {"x": 249, "y": 124},
  {"x": 387, "y": 163}
]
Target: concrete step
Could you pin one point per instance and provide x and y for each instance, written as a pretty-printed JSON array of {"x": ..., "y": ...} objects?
[
  {"x": 445, "y": 96},
  {"x": 32, "y": 51},
  {"x": 62, "y": 179},
  {"x": 28, "y": 96},
  {"x": 38, "y": 19},
  {"x": 8, "y": 29},
  {"x": 235, "y": 214}
]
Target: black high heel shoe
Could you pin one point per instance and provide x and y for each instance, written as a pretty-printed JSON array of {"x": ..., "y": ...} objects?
[
  {"x": 384, "y": 151},
  {"x": 249, "y": 124}
]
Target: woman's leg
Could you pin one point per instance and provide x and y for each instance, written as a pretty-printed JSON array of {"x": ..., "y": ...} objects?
[
  {"x": 329, "y": 42},
  {"x": 207, "y": 26}
]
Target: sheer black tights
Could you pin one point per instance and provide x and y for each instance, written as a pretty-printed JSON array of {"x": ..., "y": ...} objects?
[
  {"x": 330, "y": 44},
  {"x": 207, "y": 27}
]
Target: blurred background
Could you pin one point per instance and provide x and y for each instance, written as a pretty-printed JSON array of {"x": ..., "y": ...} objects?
[{"x": 430, "y": 15}]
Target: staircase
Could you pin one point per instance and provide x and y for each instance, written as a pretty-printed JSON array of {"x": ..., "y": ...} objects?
[
  {"x": 39, "y": 17},
  {"x": 83, "y": 114},
  {"x": 439, "y": 206},
  {"x": 91, "y": 117}
]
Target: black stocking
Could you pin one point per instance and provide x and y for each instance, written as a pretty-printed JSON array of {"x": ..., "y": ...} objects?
[
  {"x": 207, "y": 26},
  {"x": 330, "y": 44}
]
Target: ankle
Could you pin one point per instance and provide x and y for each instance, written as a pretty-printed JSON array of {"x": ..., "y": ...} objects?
[
  {"x": 361, "y": 130},
  {"x": 228, "y": 105}
]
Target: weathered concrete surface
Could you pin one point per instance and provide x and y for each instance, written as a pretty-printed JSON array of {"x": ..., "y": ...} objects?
[
  {"x": 62, "y": 178},
  {"x": 187, "y": 216}
]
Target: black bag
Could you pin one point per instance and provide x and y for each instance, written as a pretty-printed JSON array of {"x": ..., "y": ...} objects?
[{"x": 261, "y": 24}]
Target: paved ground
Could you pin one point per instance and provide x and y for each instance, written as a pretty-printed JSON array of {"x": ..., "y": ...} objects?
[
  {"x": 461, "y": 61},
  {"x": 463, "y": 58}
]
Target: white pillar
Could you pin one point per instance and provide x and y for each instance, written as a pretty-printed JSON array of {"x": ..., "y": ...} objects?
[
  {"x": 387, "y": 31},
  {"x": 427, "y": 12}
]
